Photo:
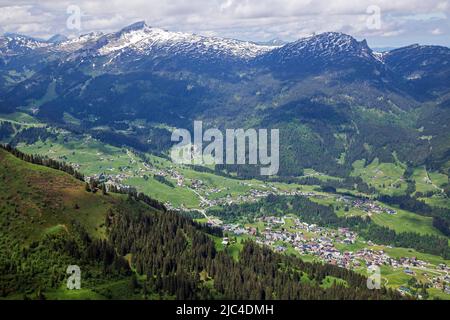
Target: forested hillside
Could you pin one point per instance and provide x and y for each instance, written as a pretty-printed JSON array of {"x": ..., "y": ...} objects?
[{"x": 127, "y": 249}]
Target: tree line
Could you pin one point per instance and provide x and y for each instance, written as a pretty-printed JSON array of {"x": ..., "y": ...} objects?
[
  {"x": 93, "y": 184},
  {"x": 43, "y": 161}
]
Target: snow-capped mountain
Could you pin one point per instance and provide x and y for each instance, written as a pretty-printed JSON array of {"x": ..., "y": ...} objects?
[
  {"x": 13, "y": 44},
  {"x": 143, "y": 39},
  {"x": 338, "y": 55},
  {"x": 141, "y": 48},
  {"x": 140, "y": 40},
  {"x": 136, "y": 42},
  {"x": 327, "y": 45},
  {"x": 80, "y": 43}
]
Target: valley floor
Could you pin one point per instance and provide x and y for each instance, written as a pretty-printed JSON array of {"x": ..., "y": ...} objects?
[{"x": 185, "y": 189}]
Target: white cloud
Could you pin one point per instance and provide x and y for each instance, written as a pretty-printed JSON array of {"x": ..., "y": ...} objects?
[{"x": 244, "y": 19}]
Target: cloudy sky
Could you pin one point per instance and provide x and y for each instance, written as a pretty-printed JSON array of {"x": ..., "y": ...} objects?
[{"x": 384, "y": 23}]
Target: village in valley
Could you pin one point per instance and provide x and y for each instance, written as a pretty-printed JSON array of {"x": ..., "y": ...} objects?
[
  {"x": 285, "y": 234},
  {"x": 288, "y": 234},
  {"x": 208, "y": 194}
]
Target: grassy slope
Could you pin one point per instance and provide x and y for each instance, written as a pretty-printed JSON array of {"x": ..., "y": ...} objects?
[
  {"x": 46, "y": 199},
  {"x": 95, "y": 157},
  {"x": 36, "y": 200},
  {"x": 405, "y": 221},
  {"x": 386, "y": 178},
  {"x": 20, "y": 118}
]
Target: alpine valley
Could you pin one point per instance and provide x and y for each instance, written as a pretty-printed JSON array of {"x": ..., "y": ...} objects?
[{"x": 86, "y": 177}]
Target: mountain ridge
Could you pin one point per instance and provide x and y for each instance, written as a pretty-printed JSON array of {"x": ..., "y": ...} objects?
[
  {"x": 345, "y": 40},
  {"x": 330, "y": 84}
]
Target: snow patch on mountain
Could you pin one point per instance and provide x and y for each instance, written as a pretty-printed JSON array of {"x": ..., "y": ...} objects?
[
  {"x": 78, "y": 43},
  {"x": 328, "y": 44},
  {"x": 144, "y": 39},
  {"x": 379, "y": 55},
  {"x": 13, "y": 44}
]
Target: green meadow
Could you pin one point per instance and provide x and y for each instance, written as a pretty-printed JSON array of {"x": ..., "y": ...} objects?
[{"x": 386, "y": 178}]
